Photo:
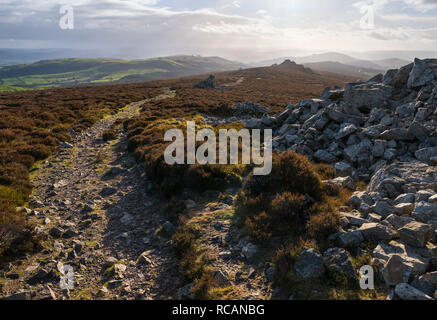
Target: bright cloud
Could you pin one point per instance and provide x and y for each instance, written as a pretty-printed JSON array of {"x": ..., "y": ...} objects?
[{"x": 143, "y": 28}]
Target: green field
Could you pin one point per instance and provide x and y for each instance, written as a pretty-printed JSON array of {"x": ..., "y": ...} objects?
[{"x": 71, "y": 72}]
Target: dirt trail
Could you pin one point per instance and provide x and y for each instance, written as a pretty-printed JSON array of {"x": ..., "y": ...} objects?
[
  {"x": 92, "y": 200},
  {"x": 95, "y": 205}
]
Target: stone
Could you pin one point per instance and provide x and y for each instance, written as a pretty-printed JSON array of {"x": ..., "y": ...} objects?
[
  {"x": 350, "y": 239},
  {"x": 324, "y": 156},
  {"x": 379, "y": 148},
  {"x": 424, "y": 195},
  {"x": 396, "y": 271},
  {"x": 404, "y": 208},
  {"x": 424, "y": 211},
  {"x": 376, "y": 232},
  {"x": 412, "y": 256},
  {"x": 426, "y": 154},
  {"x": 143, "y": 259},
  {"x": 398, "y": 221},
  {"x": 354, "y": 219},
  {"x": 433, "y": 199},
  {"x": 421, "y": 74},
  {"x": 343, "y": 169},
  {"x": 309, "y": 264},
  {"x": 406, "y": 292},
  {"x": 383, "y": 208},
  {"x": 343, "y": 182},
  {"x": 415, "y": 234},
  {"x": 208, "y": 83},
  {"x": 405, "y": 198},
  {"x": 119, "y": 270},
  {"x": 372, "y": 217},
  {"x": 346, "y": 130},
  {"x": 249, "y": 251},
  {"x": 419, "y": 131},
  {"x": 55, "y": 232},
  {"x": 421, "y": 284},
  {"x": 250, "y": 108},
  {"x": 338, "y": 259},
  {"x": 363, "y": 95}
]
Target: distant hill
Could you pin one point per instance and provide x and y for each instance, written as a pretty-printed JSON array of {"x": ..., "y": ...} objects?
[
  {"x": 339, "y": 62},
  {"x": 344, "y": 69},
  {"x": 69, "y": 72},
  {"x": 393, "y": 63}
]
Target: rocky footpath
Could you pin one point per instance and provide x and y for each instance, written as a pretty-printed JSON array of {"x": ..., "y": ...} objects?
[
  {"x": 382, "y": 132},
  {"x": 93, "y": 208}
]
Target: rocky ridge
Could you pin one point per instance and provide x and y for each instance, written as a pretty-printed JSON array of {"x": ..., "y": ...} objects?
[{"x": 382, "y": 132}]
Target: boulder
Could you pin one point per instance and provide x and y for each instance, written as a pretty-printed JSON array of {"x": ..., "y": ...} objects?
[
  {"x": 419, "y": 131},
  {"x": 426, "y": 154},
  {"x": 350, "y": 239},
  {"x": 421, "y": 74},
  {"x": 406, "y": 292},
  {"x": 397, "y": 134},
  {"x": 412, "y": 256},
  {"x": 309, "y": 264},
  {"x": 424, "y": 211},
  {"x": 375, "y": 232},
  {"x": 324, "y": 156},
  {"x": 208, "y": 83},
  {"x": 365, "y": 95},
  {"x": 396, "y": 271},
  {"x": 404, "y": 208},
  {"x": 383, "y": 208},
  {"x": 343, "y": 169},
  {"x": 249, "y": 251},
  {"x": 338, "y": 259},
  {"x": 415, "y": 234}
]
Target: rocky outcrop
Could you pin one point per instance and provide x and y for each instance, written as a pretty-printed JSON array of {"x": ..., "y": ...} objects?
[{"x": 384, "y": 132}]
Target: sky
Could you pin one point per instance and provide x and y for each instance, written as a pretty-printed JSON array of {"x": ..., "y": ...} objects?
[{"x": 244, "y": 30}]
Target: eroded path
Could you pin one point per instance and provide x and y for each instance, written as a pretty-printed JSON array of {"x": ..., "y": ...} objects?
[
  {"x": 92, "y": 200},
  {"x": 97, "y": 213}
]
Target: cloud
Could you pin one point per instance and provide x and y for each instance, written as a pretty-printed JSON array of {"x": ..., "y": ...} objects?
[{"x": 142, "y": 28}]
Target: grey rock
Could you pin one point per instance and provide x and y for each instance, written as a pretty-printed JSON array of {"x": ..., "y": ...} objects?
[
  {"x": 415, "y": 234},
  {"x": 338, "y": 259},
  {"x": 376, "y": 232},
  {"x": 419, "y": 131},
  {"x": 249, "y": 251},
  {"x": 346, "y": 130},
  {"x": 383, "y": 208},
  {"x": 396, "y": 271},
  {"x": 424, "y": 211},
  {"x": 426, "y": 154},
  {"x": 406, "y": 292},
  {"x": 343, "y": 169},
  {"x": 397, "y": 134},
  {"x": 309, "y": 264},
  {"x": 379, "y": 148},
  {"x": 350, "y": 239},
  {"x": 324, "y": 156}
]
